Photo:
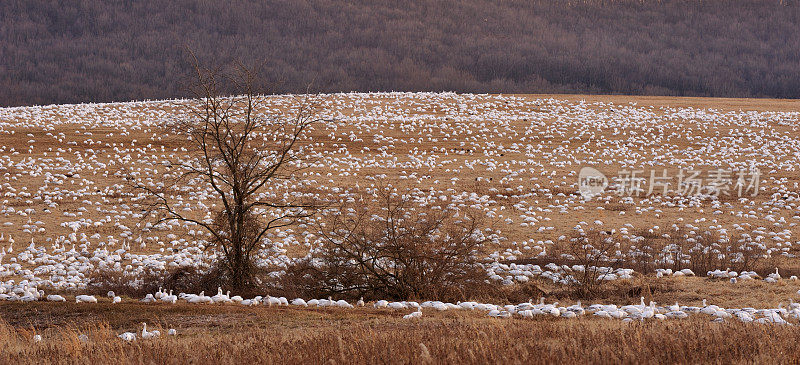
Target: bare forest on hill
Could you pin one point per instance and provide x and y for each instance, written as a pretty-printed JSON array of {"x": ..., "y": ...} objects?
[{"x": 99, "y": 51}]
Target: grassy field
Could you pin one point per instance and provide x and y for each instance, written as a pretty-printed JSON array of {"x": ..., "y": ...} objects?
[
  {"x": 444, "y": 144},
  {"x": 232, "y": 334},
  {"x": 229, "y": 335},
  {"x": 514, "y": 157}
]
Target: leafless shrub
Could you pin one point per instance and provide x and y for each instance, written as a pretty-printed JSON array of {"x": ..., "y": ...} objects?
[
  {"x": 182, "y": 279},
  {"x": 589, "y": 251},
  {"x": 134, "y": 286},
  {"x": 708, "y": 251},
  {"x": 394, "y": 249}
]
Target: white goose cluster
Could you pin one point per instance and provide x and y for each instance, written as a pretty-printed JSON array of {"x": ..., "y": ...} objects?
[
  {"x": 509, "y": 274},
  {"x": 530, "y": 309},
  {"x": 513, "y": 157}
]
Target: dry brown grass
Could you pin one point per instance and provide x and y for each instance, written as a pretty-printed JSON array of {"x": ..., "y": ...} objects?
[
  {"x": 229, "y": 335},
  {"x": 236, "y": 334}
]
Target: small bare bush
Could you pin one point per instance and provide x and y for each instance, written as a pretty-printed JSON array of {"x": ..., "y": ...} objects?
[
  {"x": 708, "y": 251},
  {"x": 394, "y": 248},
  {"x": 182, "y": 279},
  {"x": 103, "y": 281},
  {"x": 589, "y": 251}
]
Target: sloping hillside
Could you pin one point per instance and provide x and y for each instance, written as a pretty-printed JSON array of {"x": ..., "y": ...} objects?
[{"x": 78, "y": 51}]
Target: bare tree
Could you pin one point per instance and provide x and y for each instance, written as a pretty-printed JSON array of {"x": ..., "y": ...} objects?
[
  {"x": 384, "y": 245},
  {"x": 240, "y": 153}
]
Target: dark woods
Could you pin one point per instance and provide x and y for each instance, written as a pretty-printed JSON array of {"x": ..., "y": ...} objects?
[{"x": 81, "y": 51}]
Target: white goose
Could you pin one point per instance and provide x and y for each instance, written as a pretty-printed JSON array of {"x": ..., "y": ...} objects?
[
  {"x": 220, "y": 298},
  {"x": 199, "y": 298},
  {"x": 169, "y": 298},
  {"x": 149, "y": 335},
  {"x": 774, "y": 277},
  {"x": 55, "y": 298},
  {"x": 85, "y": 299},
  {"x": 149, "y": 298},
  {"x": 412, "y": 315},
  {"x": 127, "y": 336}
]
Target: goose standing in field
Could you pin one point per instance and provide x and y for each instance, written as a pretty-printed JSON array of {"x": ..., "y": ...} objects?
[
  {"x": 634, "y": 308},
  {"x": 773, "y": 277},
  {"x": 169, "y": 298},
  {"x": 649, "y": 311},
  {"x": 221, "y": 298},
  {"x": 360, "y": 302},
  {"x": 326, "y": 302},
  {"x": 709, "y": 309},
  {"x": 149, "y": 335},
  {"x": 552, "y": 309}
]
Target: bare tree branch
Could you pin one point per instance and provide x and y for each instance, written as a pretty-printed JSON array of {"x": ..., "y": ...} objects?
[{"x": 240, "y": 149}]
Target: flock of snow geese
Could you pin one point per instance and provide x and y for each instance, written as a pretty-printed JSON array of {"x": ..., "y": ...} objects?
[
  {"x": 65, "y": 212},
  {"x": 783, "y": 315}
]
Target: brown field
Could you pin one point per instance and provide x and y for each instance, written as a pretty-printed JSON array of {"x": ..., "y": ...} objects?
[
  {"x": 233, "y": 335},
  {"x": 483, "y": 127},
  {"x": 420, "y": 142}
]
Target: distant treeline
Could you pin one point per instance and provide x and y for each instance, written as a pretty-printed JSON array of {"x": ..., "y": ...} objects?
[{"x": 79, "y": 51}]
